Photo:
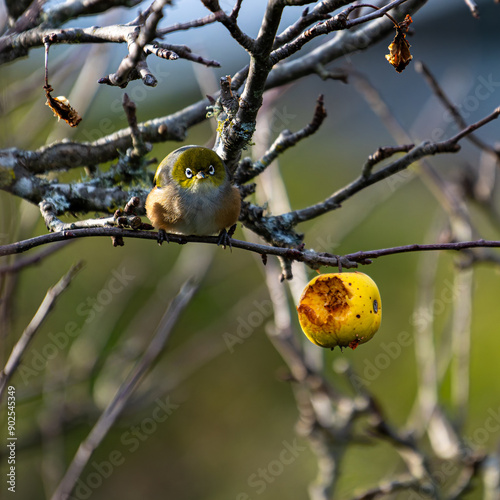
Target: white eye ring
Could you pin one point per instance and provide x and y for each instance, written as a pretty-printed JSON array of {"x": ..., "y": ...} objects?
[
  {"x": 211, "y": 170},
  {"x": 188, "y": 172}
]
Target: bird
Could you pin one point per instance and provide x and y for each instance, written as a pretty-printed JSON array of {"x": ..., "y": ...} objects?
[{"x": 193, "y": 195}]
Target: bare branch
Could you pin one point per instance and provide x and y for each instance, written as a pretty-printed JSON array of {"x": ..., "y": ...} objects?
[
  {"x": 453, "y": 110},
  {"x": 285, "y": 140},
  {"x": 309, "y": 257},
  {"x": 239, "y": 131},
  {"x": 382, "y": 154},
  {"x": 139, "y": 147},
  {"x": 17, "y": 42},
  {"x": 339, "y": 22},
  {"x": 461, "y": 345},
  {"x": 172, "y": 127},
  {"x": 229, "y": 22},
  {"x": 470, "y": 472},
  {"x": 474, "y": 126},
  {"x": 459, "y": 245},
  {"x": 41, "y": 315},
  {"x": 136, "y": 58},
  {"x": 72, "y": 197},
  {"x": 61, "y": 13},
  {"x": 491, "y": 477},
  {"x": 320, "y": 12},
  {"x": 195, "y": 23},
  {"x": 25, "y": 12},
  {"x": 10, "y": 46},
  {"x": 67, "y": 155},
  {"x": 127, "y": 388},
  {"x": 34, "y": 259},
  {"x": 415, "y": 154},
  {"x": 346, "y": 42},
  {"x": 169, "y": 51}
]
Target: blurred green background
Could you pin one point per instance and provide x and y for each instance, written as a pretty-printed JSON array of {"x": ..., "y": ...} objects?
[{"x": 230, "y": 413}]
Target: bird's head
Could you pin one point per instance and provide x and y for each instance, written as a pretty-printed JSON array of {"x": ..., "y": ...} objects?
[{"x": 193, "y": 168}]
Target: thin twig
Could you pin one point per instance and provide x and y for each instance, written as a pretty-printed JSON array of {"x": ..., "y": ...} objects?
[
  {"x": 125, "y": 391},
  {"x": 195, "y": 23},
  {"x": 183, "y": 52},
  {"x": 339, "y": 22},
  {"x": 420, "y": 67},
  {"x": 459, "y": 245},
  {"x": 382, "y": 154},
  {"x": 319, "y": 13},
  {"x": 418, "y": 152},
  {"x": 172, "y": 127},
  {"x": 140, "y": 148},
  {"x": 474, "y": 126},
  {"x": 311, "y": 258},
  {"x": 32, "y": 260},
  {"x": 230, "y": 23},
  {"x": 40, "y": 316},
  {"x": 285, "y": 140}
]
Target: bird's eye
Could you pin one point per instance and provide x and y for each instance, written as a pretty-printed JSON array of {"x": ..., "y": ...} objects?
[
  {"x": 211, "y": 170},
  {"x": 189, "y": 173}
]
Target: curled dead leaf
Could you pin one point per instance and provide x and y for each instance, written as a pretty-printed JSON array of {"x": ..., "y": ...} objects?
[
  {"x": 399, "y": 49},
  {"x": 62, "y": 108}
]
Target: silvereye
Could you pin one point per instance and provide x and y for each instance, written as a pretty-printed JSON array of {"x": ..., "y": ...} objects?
[{"x": 193, "y": 194}]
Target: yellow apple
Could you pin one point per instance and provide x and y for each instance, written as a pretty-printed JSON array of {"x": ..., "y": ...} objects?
[{"x": 340, "y": 309}]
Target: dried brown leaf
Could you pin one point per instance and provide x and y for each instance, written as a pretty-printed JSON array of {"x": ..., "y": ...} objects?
[
  {"x": 62, "y": 108},
  {"x": 399, "y": 49}
]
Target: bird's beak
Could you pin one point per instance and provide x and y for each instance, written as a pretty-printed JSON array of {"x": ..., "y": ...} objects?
[{"x": 200, "y": 175}]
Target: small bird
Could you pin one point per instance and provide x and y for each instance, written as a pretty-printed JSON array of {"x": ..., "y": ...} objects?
[{"x": 193, "y": 195}]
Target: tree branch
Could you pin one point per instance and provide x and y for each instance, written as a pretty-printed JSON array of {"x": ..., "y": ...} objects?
[
  {"x": 309, "y": 257},
  {"x": 41, "y": 315},
  {"x": 416, "y": 153},
  {"x": 420, "y": 67},
  {"x": 285, "y": 140},
  {"x": 344, "y": 43},
  {"x": 125, "y": 391},
  {"x": 339, "y": 22},
  {"x": 136, "y": 58},
  {"x": 230, "y": 23},
  {"x": 319, "y": 13},
  {"x": 20, "y": 264},
  {"x": 63, "y": 156}
]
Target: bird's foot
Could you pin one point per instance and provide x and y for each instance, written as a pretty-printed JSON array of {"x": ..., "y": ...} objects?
[
  {"x": 162, "y": 236},
  {"x": 225, "y": 237}
]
